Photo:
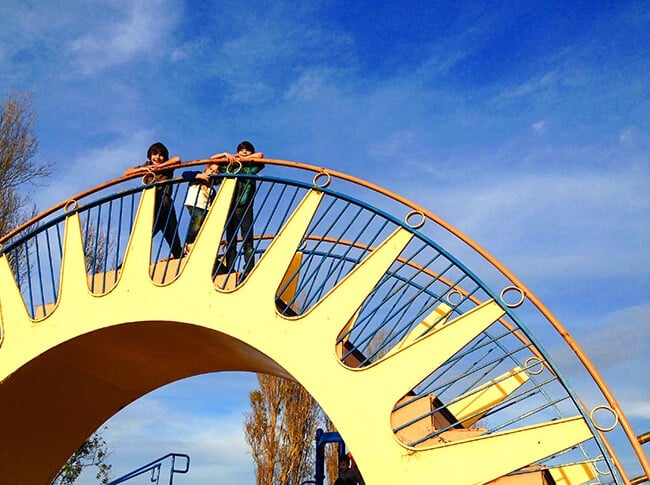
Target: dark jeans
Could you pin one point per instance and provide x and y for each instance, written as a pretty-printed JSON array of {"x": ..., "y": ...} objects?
[
  {"x": 165, "y": 222},
  {"x": 197, "y": 216},
  {"x": 240, "y": 218}
]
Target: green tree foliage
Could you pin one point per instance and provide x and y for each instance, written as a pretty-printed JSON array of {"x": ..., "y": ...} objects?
[
  {"x": 92, "y": 453},
  {"x": 280, "y": 430}
]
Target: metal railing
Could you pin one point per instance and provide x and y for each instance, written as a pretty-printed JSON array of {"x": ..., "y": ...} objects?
[
  {"x": 433, "y": 270},
  {"x": 156, "y": 467}
]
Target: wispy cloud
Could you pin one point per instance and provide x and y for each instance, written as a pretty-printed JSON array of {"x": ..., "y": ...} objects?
[
  {"x": 534, "y": 86},
  {"x": 539, "y": 127},
  {"x": 618, "y": 344},
  {"x": 628, "y": 136},
  {"x": 46, "y": 37},
  {"x": 283, "y": 41},
  {"x": 627, "y": 334},
  {"x": 138, "y": 31},
  {"x": 553, "y": 214}
]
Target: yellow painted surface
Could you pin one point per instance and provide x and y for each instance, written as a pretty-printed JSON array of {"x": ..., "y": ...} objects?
[
  {"x": 62, "y": 377},
  {"x": 289, "y": 283},
  {"x": 473, "y": 405},
  {"x": 573, "y": 474},
  {"x": 419, "y": 417},
  {"x": 416, "y": 409},
  {"x": 526, "y": 477}
]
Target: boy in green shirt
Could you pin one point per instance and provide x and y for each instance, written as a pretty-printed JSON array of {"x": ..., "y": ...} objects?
[{"x": 241, "y": 207}]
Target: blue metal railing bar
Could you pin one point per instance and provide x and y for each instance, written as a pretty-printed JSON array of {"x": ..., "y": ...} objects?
[
  {"x": 263, "y": 203},
  {"x": 525, "y": 392},
  {"x": 521, "y": 417},
  {"x": 438, "y": 409},
  {"x": 49, "y": 255},
  {"x": 29, "y": 281},
  {"x": 155, "y": 467},
  {"x": 460, "y": 358},
  {"x": 398, "y": 292},
  {"x": 39, "y": 270},
  {"x": 492, "y": 429},
  {"x": 435, "y": 387},
  {"x": 334, "y": 263}
]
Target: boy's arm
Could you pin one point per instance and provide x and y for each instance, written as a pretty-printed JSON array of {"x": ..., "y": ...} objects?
[
  {"x": 190, "y": 174},
  {"x": 134, "y": 170},
  {"x": 172, "y": 161},
  {"x": 252, "y": 156},
  {"x": 148, "y": 167},
  {"x": 249, "y": 165},
  {"x": 223, "y": 156}
]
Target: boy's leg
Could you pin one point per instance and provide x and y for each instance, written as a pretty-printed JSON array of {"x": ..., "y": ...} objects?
[
  {"x": 197, "y": 217},
  {"x": 171, "y": 233},
  {"x": 247, "y": 238},
  {"x": 227, "y": 266}
]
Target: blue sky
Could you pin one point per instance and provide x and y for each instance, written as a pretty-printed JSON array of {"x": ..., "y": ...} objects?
[{"x": 526, "y": 125}]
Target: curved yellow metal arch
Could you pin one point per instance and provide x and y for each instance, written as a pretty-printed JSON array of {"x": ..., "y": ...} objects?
[{"x": 115, "y": 347}]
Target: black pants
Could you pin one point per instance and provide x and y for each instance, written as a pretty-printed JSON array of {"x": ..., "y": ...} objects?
[
  {"x": 240, "y": 218},
  {"x": 166, "y": 222}
]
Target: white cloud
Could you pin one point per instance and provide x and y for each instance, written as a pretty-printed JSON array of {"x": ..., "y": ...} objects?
[
  {"x": 310, "y": 86},
  {"x": 637, "y": 406},
  {"x": 618, "y": 345},
  {"x": 180, "y": 53},
  {"x": 539, "y": 127},
  {"x": 45, "y": 37},
  {"x": 282, "y": 40},
  {"x": 137, "y": 33},
  {"x": 540, "y": 83},
  {"x": 627, "y": 136},
  {"x": 395, "y": 144},
  {"x": 622, "y": 335},
  {"x": 579, "y": 223}
]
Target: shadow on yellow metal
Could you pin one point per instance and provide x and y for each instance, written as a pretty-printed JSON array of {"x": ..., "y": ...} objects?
[{"x": 107, "y": 350}]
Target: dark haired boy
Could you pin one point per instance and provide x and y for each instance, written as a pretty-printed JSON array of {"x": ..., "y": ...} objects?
[
  {"x": 347, "y": 474},
  {"x": 158, "y": 162},
  {"x": 241, "y": 207}
]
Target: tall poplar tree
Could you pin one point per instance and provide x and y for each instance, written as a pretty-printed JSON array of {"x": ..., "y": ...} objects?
[{"x": 280, "y": 430}]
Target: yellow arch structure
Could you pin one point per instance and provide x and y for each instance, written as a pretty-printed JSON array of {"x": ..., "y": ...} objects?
[{"x": 91, "y": 354}]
